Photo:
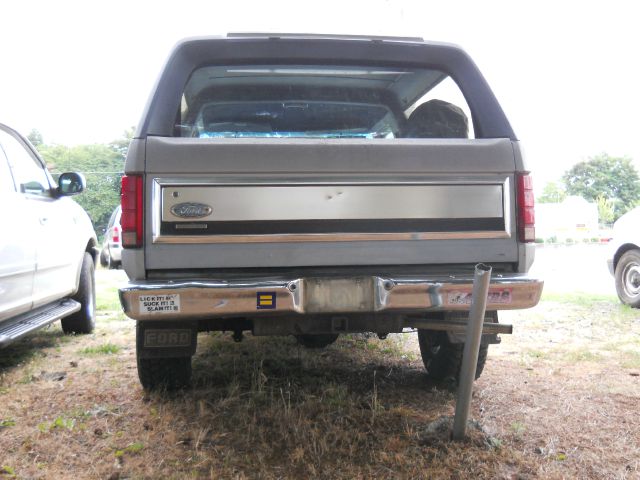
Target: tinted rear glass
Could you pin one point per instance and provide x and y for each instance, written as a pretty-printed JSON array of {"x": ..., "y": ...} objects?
[{"x": 311, "y": 101}]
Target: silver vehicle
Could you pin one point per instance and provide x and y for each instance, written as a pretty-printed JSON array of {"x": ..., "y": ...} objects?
[
  {"x": 47, "y": 250},
  {"x": 624, "y": 257},
  {"x": 111, "y": 253},
  {"x": 319, "y": 185}
]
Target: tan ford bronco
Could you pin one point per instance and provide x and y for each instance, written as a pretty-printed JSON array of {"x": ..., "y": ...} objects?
[{"x": 312, "y": 186}]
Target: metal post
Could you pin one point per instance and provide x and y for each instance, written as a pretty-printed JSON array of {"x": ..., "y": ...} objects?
[{"x": 481, "y": 282}]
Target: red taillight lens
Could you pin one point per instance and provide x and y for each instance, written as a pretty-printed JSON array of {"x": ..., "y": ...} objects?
[
  {"x": 132, "y": 217},
  {"x": 526, "y": 209},
  {"x": 115, "y": 234}
]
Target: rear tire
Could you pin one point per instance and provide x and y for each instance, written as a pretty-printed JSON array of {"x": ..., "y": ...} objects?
[
  {"x": 104, "y": 262},
  {"x": 628, "y": 278},
  {"x": 443, "y": 359},
  {"x": 84, "y": 320},
  {"x": 317, "y": 341},
  {"x": 111, "y": 263},
  {"x": 164, "y": 373}
]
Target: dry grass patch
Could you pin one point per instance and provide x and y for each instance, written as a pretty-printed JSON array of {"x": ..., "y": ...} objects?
[{"x": 362, "y": 408}]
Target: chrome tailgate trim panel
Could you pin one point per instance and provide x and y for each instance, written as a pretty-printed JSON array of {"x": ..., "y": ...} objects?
[{"x": 243, "y": 211}]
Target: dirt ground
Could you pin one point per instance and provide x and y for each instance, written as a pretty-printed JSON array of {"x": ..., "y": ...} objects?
[{"x": 558, "y": 399}]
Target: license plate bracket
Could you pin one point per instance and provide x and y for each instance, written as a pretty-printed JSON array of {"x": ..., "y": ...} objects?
[{"x": 331, "y": 295}]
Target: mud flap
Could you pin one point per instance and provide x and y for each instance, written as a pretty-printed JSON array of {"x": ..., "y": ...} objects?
[{"x": 166, "y": 339}]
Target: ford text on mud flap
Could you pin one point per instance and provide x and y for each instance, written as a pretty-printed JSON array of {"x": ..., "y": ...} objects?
[{"x": 271, "y": 190}]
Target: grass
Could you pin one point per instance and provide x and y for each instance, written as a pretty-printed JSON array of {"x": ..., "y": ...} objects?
[
  {"x": 631, "y": 359},
  {"x": 59, "y": 423},
  {"x": 581, "y": 299},
  {"x": 584, "y": 355},
  {"x": 107, "y": 302},
  {"x": 104, "y": 349},
  {"x": 553, "y": 402}
]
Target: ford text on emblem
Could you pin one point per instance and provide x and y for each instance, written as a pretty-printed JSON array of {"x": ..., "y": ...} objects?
[{"x": 191, "y": 210}]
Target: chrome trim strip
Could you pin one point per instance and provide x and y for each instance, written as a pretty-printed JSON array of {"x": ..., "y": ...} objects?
[
  {"x": 225, "y": 180},
  {"x": 209, "y": 299},
  {"x": 158, "y": 206},
  {"x": 327, "y": 237}
]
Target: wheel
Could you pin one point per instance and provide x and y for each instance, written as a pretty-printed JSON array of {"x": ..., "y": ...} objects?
[
  {"x": 443, "y": 359},
  {"x": 317, "y": 341},
  {"x": 104, "y": 261},
  {"x": 84, "y": 320},
  {"x": 167, "y": 373},
  {"x": 111, "y": 263},
  {"x": 628, "y": 278},
  {"x": 162, "y": 373}
]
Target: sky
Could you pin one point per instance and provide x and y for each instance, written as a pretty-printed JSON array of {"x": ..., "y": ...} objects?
[{"x": 567, "y": 73}]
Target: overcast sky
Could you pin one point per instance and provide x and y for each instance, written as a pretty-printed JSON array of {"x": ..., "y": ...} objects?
[{"x": 566, "y": 73}]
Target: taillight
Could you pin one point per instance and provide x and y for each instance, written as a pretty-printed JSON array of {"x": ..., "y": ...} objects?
[
  {"x": 526, "y": 209},
  {"x": 115, "y": 234},
  {"x": 132, "y": 216}
]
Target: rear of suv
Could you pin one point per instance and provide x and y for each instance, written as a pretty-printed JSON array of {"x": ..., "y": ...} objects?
[{"x": 317, "y": 185}]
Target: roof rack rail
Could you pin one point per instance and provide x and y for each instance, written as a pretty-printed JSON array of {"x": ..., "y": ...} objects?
[{"x": 323, "y": 36}]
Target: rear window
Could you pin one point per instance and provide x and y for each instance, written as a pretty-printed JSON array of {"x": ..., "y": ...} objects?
[{"x": 310, "y": 101}]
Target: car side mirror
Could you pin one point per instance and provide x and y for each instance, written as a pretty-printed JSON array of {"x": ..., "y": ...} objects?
[{"x": 70, "y": 183}]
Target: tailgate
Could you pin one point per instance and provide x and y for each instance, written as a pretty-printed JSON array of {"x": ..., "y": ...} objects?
[{"x": 250, "y": 203}]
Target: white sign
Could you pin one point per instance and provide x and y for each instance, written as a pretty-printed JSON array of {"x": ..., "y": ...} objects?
[{"x": 159, "y": 303}]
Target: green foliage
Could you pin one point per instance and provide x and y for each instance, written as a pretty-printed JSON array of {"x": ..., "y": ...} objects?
[
  {"x": 35, "y": 137},
  {"x": 121, "y": 145},
  {"x": 133, "y": 448},
  {"x": 102, "y": 166},
  {"x": 9, "y": 422},
  {"x": 606, "y": 209},
  {"x": 552, "y": 193},
  {"x": 60, "y": 423},
  {"x": 614, "y": 178},
  {"x": 105, "y": 349},
  {"x": 7, "y": 471}
]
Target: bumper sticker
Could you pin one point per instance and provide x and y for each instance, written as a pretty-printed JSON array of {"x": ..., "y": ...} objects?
[
  {"x": 265, "y": 300},
  {"x": 159, "y": 303},
  {"x": 495, "y": 296}
]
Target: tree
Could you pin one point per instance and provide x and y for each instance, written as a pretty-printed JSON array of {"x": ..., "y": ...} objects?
[
  {"x": 101, "y": 165},
  {"x": 121, "y": 145},
  {"x": 606, "y": 213},
  {"x": 35, "y": 137},
  {"x": 613, "y": 178},
  {"x": 552, "y": 193}
]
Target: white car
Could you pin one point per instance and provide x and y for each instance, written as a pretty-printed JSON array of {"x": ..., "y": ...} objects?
[
  {"x": 47, "y": 247},
  {"x": 111, "y": 254},
  {"x": 624, "y": 258}
]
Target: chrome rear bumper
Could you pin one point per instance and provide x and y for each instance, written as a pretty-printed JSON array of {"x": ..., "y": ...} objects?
[{"x": 200, "y": 299}]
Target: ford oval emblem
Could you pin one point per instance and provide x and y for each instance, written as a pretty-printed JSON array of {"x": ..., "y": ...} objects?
[{"x": 191, "y": 210}]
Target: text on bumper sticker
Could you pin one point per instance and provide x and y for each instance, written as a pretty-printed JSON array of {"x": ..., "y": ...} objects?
[{"x": 159, "y": 303}]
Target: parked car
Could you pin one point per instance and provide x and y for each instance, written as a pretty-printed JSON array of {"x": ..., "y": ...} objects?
[
  {"x": 111, "y": 254},
  {"x": 47, "y": 246},
  {"x": 624, "y": 258}
]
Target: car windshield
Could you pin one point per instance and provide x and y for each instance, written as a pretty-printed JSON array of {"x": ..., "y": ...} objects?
[{"x": 303, "y": 101}]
